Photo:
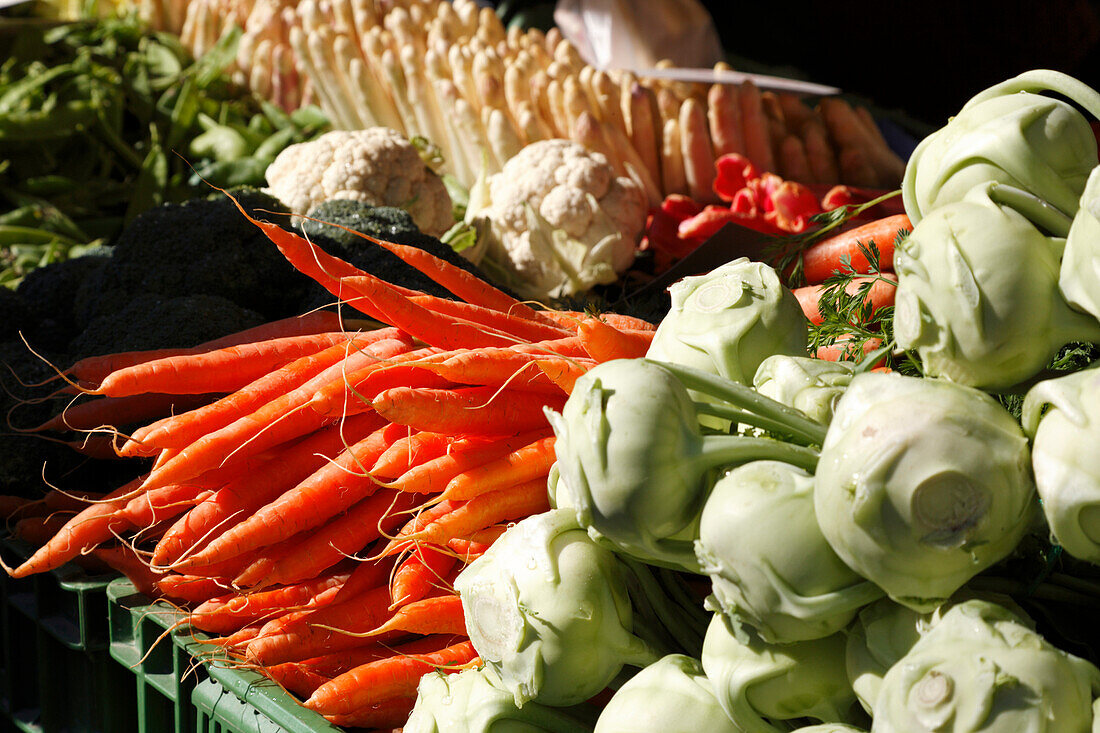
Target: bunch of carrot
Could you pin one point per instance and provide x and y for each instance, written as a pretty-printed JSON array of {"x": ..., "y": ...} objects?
[
  {"x": 845, "y": 253},
  {"x": 313, "y": 505}
]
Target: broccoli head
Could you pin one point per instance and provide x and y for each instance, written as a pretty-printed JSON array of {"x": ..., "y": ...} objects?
[
  {"x": 382, "y": 222},
  {"x": 50, "y": 294},
  {"x": 154, "y": 322},
  {"x": 202, "y": 246}
]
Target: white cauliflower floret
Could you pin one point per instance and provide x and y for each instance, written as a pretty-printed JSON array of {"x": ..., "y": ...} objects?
[
  {"x": 561, "y": 219},
  {"x": 378, "y": 166}
]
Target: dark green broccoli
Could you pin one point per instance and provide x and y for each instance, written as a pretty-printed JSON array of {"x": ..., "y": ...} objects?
[
  {"x": 151, "y": 321},
  {"x": 202, "y": 246},
  {"x": 382, "y": 222},
  {"x": 50, "y": 294}
]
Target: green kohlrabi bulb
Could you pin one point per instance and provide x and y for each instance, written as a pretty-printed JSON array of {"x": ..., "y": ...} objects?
[
  {"x": 633, "y": 464},
  {"x": 1079, "y": 278},
  {"x": 885, "y": 631},
  {"x": 769, "y": 564},
  {"x": 1010, "y": 134},
  {"x": 922, "y": 484},
  {"x": 548, "y": 611},
  {"x": 758, "y": 683},
  {"x": 728, "y": 321},
  {"x": 980, "y": 669},
  {"x": 978, "y": 294},
  {"x": 474, "y": 701},
  {"x": 810, "y": 385},
  {"x": 672, "y": 695},
  {"x": 1063, "y": 417}
]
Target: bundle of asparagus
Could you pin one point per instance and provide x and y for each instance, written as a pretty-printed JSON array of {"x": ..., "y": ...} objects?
[{"x": 451, "y": 73}]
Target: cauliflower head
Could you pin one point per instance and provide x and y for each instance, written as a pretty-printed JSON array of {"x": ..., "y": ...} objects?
[
  {"x": 377, "y": 166},
  {"x": 559, "y": 220}
]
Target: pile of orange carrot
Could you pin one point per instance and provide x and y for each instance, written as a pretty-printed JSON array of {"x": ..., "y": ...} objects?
[
  {"x": 312, "y": 490},
  {"x": 842, "y": 254}
]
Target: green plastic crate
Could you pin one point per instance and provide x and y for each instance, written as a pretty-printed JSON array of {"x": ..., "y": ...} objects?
[
  {"x": 55, "y": 672},
  {"x": 176, "y": 692}
]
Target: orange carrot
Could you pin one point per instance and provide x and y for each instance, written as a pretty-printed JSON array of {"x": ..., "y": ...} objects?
[
  {"x": 882, "y": 291},
  {"x": 472, "y": 547},
  {"x": 464, "y": 454},
  {"x": 369, "y": 574},
  {"x": 335, "y": 664},
  {"x": 474, "y": 410},
  {"x": 823, "y": 258},
  {"x": 408, "y": 451},
  {"x": 222, "y": 370},
  {"x": 261, "y": 481},
  {"x": 385, "y": 679},
  {"x": 120, "y": 411},
  {"x": 605, "y": 342},
  {"x": 95, "y": 524},
  {"x": 839, "y": 350},
  {"x": 522, "y": 329},
  {"x": 296, "y": 678},
  {"x": 304, "y": 556},
  {"x": 37, "y": 531},
  {"x": 430, "y": 326},
  {"x": 572, "y": 319},
  {"x": 514, "y": 502},
  {"x": 313, "y": 634},
  {"x": 390, "y": 714},
  {"x": 497, "y": 367},
  {"x": 435, "y": 615},
  {"x": 123, "y": 559},
  {"x": 416, "y": 576},
  {"x": 93, "y": 369},
  {"x": 524, "y": 464},
  {"x": 355, "y": 391},
  {"x": 190, "y": 589},
  {"x": 329, "y": 490},
  {"x": 181, "y": 430},
  {"x": 461, "y": 283},
  {"x": 233, "y": 611},
  {"x": 279, "y": 420}
]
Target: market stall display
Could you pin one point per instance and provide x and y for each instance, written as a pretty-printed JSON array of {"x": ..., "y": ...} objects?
[{"x": 419, "y": 472}]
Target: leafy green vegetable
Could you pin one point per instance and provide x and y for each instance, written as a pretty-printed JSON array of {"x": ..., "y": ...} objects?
[
  {"x": 548, "y": 610},
  {"x": 728, "y": 321},
  {"x": 979, "y": 668},
  {"x": 95, "y": 117},
  {"x": 978, "y": 296},
  {"x": 634, "y": 465},
  {"x": 1060, "y": 416},
  {"x": 757, "y": 683},
  {"x": 1009, "y": 134},
  {"x": 672, "y": 695},
  {"x": 769, "y": 565},
  {"x": 474, "y": 701},
  {"x": 922, "y": 484}
]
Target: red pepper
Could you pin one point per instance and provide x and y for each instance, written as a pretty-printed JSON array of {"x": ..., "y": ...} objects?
[
  {"x": 704, "y": 224},
  {"x": 732, "y": 173}
]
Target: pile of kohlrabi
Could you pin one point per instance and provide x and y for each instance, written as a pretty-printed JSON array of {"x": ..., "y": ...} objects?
[{"x": 747, "y": 539}]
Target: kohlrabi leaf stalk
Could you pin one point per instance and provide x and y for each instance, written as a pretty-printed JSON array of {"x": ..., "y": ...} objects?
[{"x": 634, "y": 466}]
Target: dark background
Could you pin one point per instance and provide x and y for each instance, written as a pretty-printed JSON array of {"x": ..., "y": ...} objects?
[{"x": 924, "y": 58}]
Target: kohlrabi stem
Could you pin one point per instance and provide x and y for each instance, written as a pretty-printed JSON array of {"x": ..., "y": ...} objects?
[
  {"x": 1033, "y": 208},
  {"x": 1042, "y": 80},
  {"x": 734, "y": 415},
  {"x": 663, "y": 611},
  {"x": 794, "y": 422},
  {"x": 721, "y": 450}
]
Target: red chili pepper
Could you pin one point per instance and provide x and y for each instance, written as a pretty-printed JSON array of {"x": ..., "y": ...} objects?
[
  {"x": 732, "y": 173},
  {"x": 706, "y": 223}
]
